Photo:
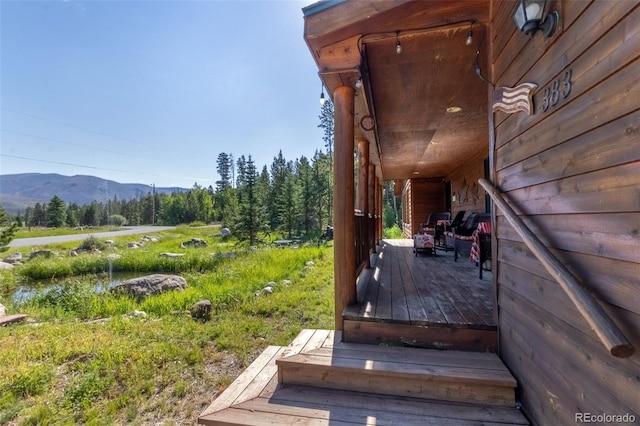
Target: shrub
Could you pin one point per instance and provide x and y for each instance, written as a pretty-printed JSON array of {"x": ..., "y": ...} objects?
[
  {"x": 393, "y": 232},
  {"x": 92, "y": 243}
]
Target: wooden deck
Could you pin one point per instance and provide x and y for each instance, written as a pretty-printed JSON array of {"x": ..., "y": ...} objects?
[
  {"x": 320, "y": 380},
  {"x": 424, "y": 300}
]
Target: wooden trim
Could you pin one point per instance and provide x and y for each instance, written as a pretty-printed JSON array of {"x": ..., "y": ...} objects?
[
  {"x": 343, "y": 205},
  {"x": 604, "y": 327},
  {"x": 363, "y": 178}
]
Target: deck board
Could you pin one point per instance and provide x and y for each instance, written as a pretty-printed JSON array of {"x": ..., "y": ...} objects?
[
  {"x": 278, "y": 403},
  {"x": 424, "y": 290}
]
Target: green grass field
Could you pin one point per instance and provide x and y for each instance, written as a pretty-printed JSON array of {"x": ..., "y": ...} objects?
[{"x": 87, "y": 358}]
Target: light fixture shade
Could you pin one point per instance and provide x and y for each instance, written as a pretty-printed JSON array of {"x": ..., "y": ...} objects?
[{"x": 528, "y": 15}]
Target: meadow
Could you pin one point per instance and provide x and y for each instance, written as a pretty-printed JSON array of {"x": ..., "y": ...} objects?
[{"x": 87, "y": 357}]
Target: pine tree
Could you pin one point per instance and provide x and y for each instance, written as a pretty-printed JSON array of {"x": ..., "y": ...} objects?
[
  {"x": 251, "y": 217},
  {"x": 56, "y": 213},
  {"x": 7, "y": 230}
]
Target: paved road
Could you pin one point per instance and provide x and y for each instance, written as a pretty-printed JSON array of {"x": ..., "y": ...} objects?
[{"x": 129, "y": 230}]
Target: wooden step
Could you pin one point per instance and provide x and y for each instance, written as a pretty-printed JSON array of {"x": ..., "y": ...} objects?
[
  {"x": 257, "y": 398},
  {"x": 418, "y": 373},
  {"x": 10, "y": 319}
]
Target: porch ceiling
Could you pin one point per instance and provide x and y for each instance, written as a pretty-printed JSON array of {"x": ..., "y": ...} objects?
[{"x": 408, "y": 94}]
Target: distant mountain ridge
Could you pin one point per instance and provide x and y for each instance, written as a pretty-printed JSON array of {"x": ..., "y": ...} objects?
[{"x": 19, "y": 191}]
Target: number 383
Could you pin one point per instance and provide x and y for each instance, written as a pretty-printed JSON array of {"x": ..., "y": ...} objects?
[{"x": 561, "y": 86}]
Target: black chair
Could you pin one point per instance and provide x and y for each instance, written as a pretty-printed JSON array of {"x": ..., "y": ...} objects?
[
  {"x": 484, "y": 243},
  {"x": 455, "y": 223},
  {"x": 461, "y": 238}
]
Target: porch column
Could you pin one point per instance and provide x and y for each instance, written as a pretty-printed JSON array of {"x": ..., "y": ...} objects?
[
  {"x": 343, "y": 204},
  {"x": 379, "y": 204},
  {"x": 372, "y": 208},
  {"x": 363, "y": 178}
]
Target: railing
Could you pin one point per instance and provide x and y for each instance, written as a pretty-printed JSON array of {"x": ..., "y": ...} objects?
[
  {"x": 365, "y": 234},
  {"x": 604, "y": 327}
]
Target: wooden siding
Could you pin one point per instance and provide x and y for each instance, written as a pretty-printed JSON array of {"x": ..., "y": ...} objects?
[
  {"x": 470, "y": 196},
  {"x": 573, "y": 173},
  {"x": 421, "y": 197}
]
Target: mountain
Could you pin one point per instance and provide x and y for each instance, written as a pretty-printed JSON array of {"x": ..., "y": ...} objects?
[{"x": 19, "y": 191}]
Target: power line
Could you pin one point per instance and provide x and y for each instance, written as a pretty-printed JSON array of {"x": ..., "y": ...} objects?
[
  {"x": 76, "y": 127},
  {"x": 69, "y": 143},
  {"x": 104, "y": 168}
]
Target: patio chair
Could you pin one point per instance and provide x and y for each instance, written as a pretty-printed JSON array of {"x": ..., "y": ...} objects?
[
  {"x": 435, "y": 225},
  {"x": 455, "y": 223},
  {"x": 461, "y": 238}
]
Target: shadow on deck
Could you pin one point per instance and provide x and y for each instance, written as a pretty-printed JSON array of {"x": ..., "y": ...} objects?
[{"x": 426, "y": 301}]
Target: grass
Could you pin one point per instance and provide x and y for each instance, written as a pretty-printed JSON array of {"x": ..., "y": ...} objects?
[{"x": 92, "y": 360}]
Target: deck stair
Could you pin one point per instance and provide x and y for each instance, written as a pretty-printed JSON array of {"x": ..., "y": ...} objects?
[{"x": 319, "y": 380}]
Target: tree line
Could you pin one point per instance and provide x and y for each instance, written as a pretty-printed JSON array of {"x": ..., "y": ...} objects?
[{"x": 290, "y": 198}]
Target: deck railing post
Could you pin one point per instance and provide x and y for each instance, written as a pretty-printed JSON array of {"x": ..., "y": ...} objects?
[
  {"x": 343, "y": 205},
  {"x": 604, "y": 327}
]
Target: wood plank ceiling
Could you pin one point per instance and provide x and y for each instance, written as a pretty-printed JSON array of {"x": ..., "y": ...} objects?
[{"x": 408, "y": 94}]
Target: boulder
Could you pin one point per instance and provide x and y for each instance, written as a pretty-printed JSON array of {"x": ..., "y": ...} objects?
[
  {"x": 6, "y": 266},
  {"x": 142, "y": 287},
  {"x": 14, "y": 258},
  {"x": 167, "y": 254},
  {"x": 41, "y": 253},
  {"x": 225, "y": 232},
  {"x": 194, "y": 242},
  {"x": 133, "y": 245},
  {"x": 201, "y": 310}
]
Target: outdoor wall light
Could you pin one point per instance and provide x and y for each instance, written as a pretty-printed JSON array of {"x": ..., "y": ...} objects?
[
  {"x": 529, "y": 18},
  {"x": 359, "y": 83},
  {"x": 322, "y": 95},
  {"x": 398, "y": 45},
  {"x": 470, "y": 34}
]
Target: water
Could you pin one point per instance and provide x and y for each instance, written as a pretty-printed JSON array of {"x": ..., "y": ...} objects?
[{"x": 101, "y": 284}]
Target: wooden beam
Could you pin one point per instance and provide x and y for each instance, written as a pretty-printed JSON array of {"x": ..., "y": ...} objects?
[
  {"x": 363, "y": 178},
  {"x": 343, "y": 205},
  {"x": 603, "y": 326}
]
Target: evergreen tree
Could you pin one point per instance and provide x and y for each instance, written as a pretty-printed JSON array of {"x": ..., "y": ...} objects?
[
  {"x": 56, "y": 213},
  {"x": 250, "y": 219},
  {"x": 7, "y": 230},
  {"x": 326, "y": 124},
  {"x": 39, "y": 217},
  {"x": 304, "y": 173},
  {"x": 276, "y": 201},
  {"x": 225, "y": 170}
]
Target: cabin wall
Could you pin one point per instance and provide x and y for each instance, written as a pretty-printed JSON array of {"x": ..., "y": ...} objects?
[
  {"x": 469, "y": 195},
  {"x": 573, "y": 174},
  {"x": 419, "y": 198}
]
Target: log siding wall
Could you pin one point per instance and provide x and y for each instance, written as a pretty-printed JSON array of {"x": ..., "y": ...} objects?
[
  {"x": 573, "y": 174},
  {"x": 470, "y": 196}
]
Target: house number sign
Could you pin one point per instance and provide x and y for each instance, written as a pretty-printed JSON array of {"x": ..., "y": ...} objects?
[{"x": 561, "y": 86}]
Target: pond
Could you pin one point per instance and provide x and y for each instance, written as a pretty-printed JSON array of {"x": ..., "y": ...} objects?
[{"x": 102, "y": 283}]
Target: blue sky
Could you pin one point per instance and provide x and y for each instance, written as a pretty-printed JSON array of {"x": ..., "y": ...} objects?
[{"x": 152, "y": 91}]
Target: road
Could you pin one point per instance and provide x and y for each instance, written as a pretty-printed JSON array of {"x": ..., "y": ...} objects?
[{"x": 129, "y": 230}]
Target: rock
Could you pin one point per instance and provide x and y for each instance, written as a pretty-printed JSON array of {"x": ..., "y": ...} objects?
[
  {"x": 225, "y": 232},
  {"x": 142, "y": 287},
  {"x": 6, "y": 266},
  {"x": 201, "y": 310},
  {"x": 133, "y": 245},
  {"x": 194, "y": 242},
  {"x": 109, "y": 242},
  {"x": 272, "y": 284},
  {"x": 73, "y": 253},
  {"x": 41, "y": 253},
  {"x": 310, "y": 263},
  {"x": 139, "y": 314},
  {"x": 267, "y": 290},
  {"x": 3, "y": 310},
  {"x": 167, "y": 254},
  {"x": 14, "y": 258},
  {"x": 286, "y": 282}
]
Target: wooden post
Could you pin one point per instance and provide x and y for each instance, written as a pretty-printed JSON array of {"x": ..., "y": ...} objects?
[
  {"x": 372, "y": 208},
  {"x": 363, "y": 179},
  {"x": 343, "y": 204}
]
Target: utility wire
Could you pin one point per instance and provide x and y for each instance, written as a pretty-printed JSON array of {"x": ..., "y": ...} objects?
[
  {"x": 105, "y": 168},
  {"x": 69, "y": 143},
  {"x": 76, "y": 127}
]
